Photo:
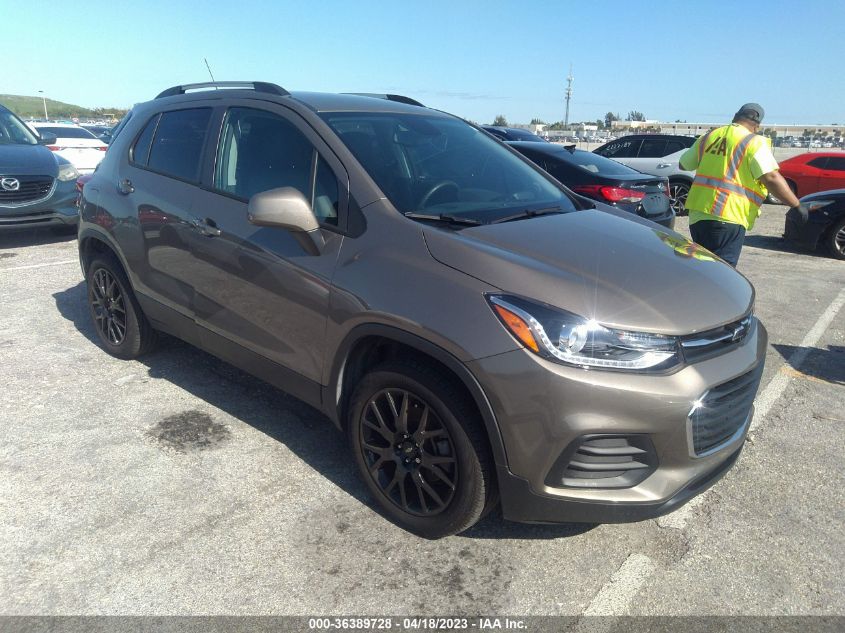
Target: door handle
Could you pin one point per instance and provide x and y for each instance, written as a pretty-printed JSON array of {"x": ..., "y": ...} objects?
[
  {"x": 663, "y": 165},
  {"x": 125, "y": 187},
  {"x": 207, "y": 227}
]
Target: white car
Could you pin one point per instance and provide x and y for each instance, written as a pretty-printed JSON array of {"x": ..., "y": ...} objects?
[
  {"x": 658, "y": 155},
  {"x": 75, "y": 144}
]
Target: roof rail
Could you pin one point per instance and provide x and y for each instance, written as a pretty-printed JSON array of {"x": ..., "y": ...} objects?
[
  {"x": 397, "y": 98},
  {"x": 258, "y": 86}
]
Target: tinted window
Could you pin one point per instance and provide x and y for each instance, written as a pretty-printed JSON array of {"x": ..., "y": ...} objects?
[
  {"x": 523, "y": 135},
  {"x": 595, "y": 164},
  {"x": 435, "y": 164},
  {"x": 818, "y": 163},
  {"x": 653, "y": 148},
  {"x": 66, "y": 132},
  {"x": 262, "y": 151},
  {"x": 178, "y": 142},
  {"x": 141, "y": 149},
  {"x": 674, "y": 146},
  {"x": 836, "y": 163},
  {"x": 623, "y": 148}
]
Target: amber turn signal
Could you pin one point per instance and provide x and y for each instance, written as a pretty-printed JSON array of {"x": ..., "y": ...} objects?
[{"x": 518, "y": 327}]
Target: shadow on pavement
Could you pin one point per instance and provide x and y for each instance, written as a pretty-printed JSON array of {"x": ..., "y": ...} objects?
[
  {"x": 301, "y": 428},
  {"x": 823, "y": 364},
  {"x": 36, "y": 237},
  {"x": 782, "y": 245}
]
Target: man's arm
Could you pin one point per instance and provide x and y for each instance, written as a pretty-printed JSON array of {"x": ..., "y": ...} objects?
[
  {"x": 776, "y": 184},
  {"x": 689, "y": 159}
]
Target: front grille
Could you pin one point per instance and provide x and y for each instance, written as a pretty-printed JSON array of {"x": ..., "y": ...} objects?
[
  {"x": 31, "y": 188},
  {"x": 604, "y": 461},
  {"x": 723, "y": 411},
  {"x": 718, "y": 340}
]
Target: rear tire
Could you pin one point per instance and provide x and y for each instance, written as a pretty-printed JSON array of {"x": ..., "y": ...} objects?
[
  {"x": 120, "y": 324},
  {"x": 420, "y": 447},
  {"x": 678, "y": 192},
  {"x": 835, "y": 240}
]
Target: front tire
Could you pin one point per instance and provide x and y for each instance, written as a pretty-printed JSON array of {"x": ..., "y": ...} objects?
[
  {"x": 835, "y": 240},
  {"x": 420, "y": 448},
  {"x": 120, "y": 324}
]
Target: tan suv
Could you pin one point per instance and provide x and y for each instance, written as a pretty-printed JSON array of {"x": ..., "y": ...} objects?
[{"x": 479, "y": 332}]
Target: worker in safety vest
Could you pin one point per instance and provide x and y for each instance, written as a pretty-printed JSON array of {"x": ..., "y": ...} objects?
[{"x": 735, "y": 170}]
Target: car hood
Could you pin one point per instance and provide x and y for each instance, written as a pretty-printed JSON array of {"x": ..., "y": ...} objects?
[
  {"x": 27, "y": 160},
  {"x": 604, "y": 265}
]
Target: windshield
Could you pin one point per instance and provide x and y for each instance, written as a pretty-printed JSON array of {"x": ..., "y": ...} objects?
[
  {"x": 13, "y": 131},
  {"x": 442, "y": 165}
]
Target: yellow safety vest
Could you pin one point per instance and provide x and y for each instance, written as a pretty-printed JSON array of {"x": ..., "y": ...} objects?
[{"x": 724, "y": 186}]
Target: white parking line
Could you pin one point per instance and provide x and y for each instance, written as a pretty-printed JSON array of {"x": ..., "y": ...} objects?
[
  {"x": 777, "y": 384},
  {"x": 62, "y": 263},
  {"x": 616, "y": 595},
  {"x": 677, "y": 520}
]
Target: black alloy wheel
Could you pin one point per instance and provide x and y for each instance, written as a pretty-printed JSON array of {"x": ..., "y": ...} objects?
[
  {"x": 118, "y": 320},
  {"x": 409, "y": 452},
  {"x": 108, "y": 307},
  {"x": 678, "y": 192},
  {"x": 421, "y": 448}
]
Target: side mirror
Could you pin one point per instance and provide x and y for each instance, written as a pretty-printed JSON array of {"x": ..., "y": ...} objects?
[
  {"x": 47, "y": 139},
  {"x": 287, "y": 208}
]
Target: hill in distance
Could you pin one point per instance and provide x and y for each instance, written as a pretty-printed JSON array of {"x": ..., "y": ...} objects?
[{"x": 33, "y": 107}]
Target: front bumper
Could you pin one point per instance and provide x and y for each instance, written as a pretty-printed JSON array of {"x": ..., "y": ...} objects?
[
  {"x": 543, "y": 407},
  {"x": 806, "y": 235},
  {"x": 57, "y": 210}
]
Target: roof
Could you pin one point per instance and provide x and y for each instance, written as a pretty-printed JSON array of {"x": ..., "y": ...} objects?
[{"x": 48, "y": 124}]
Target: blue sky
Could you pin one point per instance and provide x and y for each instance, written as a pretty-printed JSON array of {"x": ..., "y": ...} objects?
[{"x": 695, "y": 61}]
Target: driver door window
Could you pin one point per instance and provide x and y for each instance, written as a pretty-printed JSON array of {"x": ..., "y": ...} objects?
[{"x": 260, "y": 151}]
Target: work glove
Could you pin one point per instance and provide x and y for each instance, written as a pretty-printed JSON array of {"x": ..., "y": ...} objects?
[{"x": 798, "y": 214}]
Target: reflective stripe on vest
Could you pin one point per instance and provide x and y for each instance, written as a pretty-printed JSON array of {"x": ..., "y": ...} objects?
[
  {"x": 724, "y": 186},
  {"x": 730, "y": 186}
]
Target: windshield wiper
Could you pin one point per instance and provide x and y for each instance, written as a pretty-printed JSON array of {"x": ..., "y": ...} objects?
[
  {"x": 528, "y": 213},
  {"x": 443, "y": 217}
]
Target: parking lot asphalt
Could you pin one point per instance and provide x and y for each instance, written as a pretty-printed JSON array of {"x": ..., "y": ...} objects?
[{"x": 179, "y": 485}]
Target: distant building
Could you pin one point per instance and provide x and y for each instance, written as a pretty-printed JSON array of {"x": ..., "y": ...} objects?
[{"x": 697, "y": 129}]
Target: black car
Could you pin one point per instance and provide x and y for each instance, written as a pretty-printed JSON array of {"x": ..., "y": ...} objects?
[
  {"x": 605, "y": 180},
  {"x": 37, "y": 187},
  {"x": 513, "y": 134},
  {"x": 102, "y": 132},
  {"x": 826, "y": 224}
]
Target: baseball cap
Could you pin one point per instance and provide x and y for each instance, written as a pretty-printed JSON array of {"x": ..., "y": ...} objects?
[{"x": 752, "y": 111}]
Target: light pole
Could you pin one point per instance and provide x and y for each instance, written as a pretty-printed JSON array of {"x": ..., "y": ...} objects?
[{"x": 44, "y": 100}]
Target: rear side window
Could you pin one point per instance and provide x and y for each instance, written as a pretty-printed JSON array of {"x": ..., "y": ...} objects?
[
  {"x": 818, "y": 163},
  {"x": 653, "y": 148},
  {"x": 177, "y": 146},
  {"x": 836, "y": 163},
  {"x": 141, "y": 150},
  {"x": 623, "y": 148}
]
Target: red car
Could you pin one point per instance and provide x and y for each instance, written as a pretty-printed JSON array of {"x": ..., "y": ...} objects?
[{"x": 816, "y": 171}]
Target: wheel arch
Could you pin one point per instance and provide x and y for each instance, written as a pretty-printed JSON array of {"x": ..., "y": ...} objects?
[
  {"x": 368, "y": 345},
  {"x": 92, "y": 243}
]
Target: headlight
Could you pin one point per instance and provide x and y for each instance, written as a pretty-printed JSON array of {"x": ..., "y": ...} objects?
[
  {"x": 568, "y": 338},
  {"x": 815, "y": 205},
  {"x": 67, "y": 172}
]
